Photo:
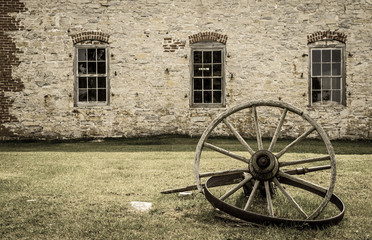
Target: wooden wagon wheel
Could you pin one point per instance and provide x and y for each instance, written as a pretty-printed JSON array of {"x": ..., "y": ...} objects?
[{"x": 263, "y": 170}]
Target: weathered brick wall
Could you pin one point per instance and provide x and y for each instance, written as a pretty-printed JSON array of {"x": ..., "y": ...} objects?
[
  {"x": 8, "y": 59},
  {"x": 266, "y": 58}
]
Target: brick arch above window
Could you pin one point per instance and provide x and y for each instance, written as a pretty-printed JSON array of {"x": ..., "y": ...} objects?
[
  {"x": 90, "y": 35},
  {"x": 208, "y": 36},
  {"x": 326, "y": 36}
]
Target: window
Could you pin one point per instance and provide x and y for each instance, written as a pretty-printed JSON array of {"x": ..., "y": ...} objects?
[
  {"x": 327, "y": 75},
  {"x": 207, "y": 74},
  {"x": 91, "y": 75}
]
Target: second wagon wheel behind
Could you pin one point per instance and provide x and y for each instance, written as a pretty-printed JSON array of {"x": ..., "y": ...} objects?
[{"x": 261, "y": 183}]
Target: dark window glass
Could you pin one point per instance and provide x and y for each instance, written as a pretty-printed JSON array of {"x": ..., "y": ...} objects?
[
  {"x": 101, "y": 95},
  {"x": 92, "y": 67},
  {"x": 336, "y": 55},
  {"x": 82, "y": 54},
  {"x": 336, "y": 83},
  {"x": 326, "y": 83},
  {"x": 82, "y": 68},
  {"x": 217, "y": 84},
  {"x": 101, "y": 68},
  {"x": 101, "y": 54},
  {"x": 336, "y": 68},
  {"x": 317, "y": 69},
  {"x": 217, "y": 70},
  {"x": 316, "y": 83},
  {"x": 207, "y": 96},
  {"x": 316, "y": 57},
  {"x": 207, "y": 57},
  {"x": 198, "y": 83},
  {"x": 336, "y": 96},
  {"x": 91, "y": 54},
  {"x": 92, "y": 82},
  {"x": 326, "y": 95},
  {"x": 102, "y": 82},
  {"x": 217, "y": 57},
  {"x": 207, "y": 70},
  {"x": 198, "y": 97},
  {"x": 316, "y": 96},
  {"x": 82, "y": 82},
  {"x": 326, "y": 69},
  {"x": 217, "y": 97},
  {"x": 92, "y": 95},
  {"x": 326, "y": 55},
  {"x": 83, "y": 95},
  {"x": 197, "y": 57},
  {"x": 207, "y": 83},
  {"x": 198, "y": 70}
]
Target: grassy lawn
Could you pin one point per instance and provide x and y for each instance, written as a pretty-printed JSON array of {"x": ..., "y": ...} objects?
[{"x": 83, "y": 190}]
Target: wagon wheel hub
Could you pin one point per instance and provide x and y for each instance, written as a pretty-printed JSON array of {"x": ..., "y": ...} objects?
[{"x": 263, "y": 165}]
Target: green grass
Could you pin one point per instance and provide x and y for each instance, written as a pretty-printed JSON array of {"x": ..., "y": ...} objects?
[{"x": 83, "y": 190}]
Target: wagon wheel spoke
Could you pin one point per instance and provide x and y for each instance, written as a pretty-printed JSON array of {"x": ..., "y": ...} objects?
[
  {"x": 302, "y": 181},
  {"x": 277, "y": 130},
  {"x": 297, "y": 140},
  {"x": 238, "y": 136},
  {"x": 304, "y": 170},
  {"x": 268, "y": 198},
  {"x": 225, "y": 152},
  {"x": 258, "y": 131},
  {"x": 302, "y": 161},
  {"x": 220, "y": 173},
  {"x": 291, "y": 200},
  {"x": 251, "y": 196},
  {"x": 247, "y": 177}
]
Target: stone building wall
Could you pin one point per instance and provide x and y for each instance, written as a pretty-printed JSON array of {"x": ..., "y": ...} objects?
[{"x": 267, "y": 57}]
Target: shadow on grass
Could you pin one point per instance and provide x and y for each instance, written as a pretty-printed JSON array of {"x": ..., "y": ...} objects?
[{"x": 174, "y": 143}]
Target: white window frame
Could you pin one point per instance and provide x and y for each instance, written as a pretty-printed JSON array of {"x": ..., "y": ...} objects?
[
  {"x": 97, "y": 75},
  {"x": 342, "y": 75},
  {"x": 207, "y": 46}
]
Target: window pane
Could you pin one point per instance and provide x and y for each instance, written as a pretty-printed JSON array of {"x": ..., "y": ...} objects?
[
  {"x": 207, "y": 57},
  {"x": 102, "y": 95},
  {"x": 326, "y": 95},
  {"x": 316, "y": 69},
  {"x": 82, "y": 68},
  {"x": 198, "y": 83},
  {"x": 207, "y": 83},
  {"x": 102, "y": 82},
  {"x": 316, "y": 56},
  {"x": 316, "y": 96},
  {"x": 101, "y": 54},
  {"x": 92, "y": 82},
  {"x": 101, "y": 68},
  {"x": 336, "y": 55},
  {"x": 91, "y": 54},
  {"x": 326, "y": 83},
  {"x": 82, "y": 82},
  {"x": 326, "y": 69},
  {"x": 207, "y": 70},
  {"x": 336, "y": 69},
  {"x": 198, "y": 70},
  {"x": 197, "y": 57},
  {"x": 92, "y": 95},
  {"x": 316, "y": 83},
  {"x": 217, "y": 97},
  {"x": 198, "y": 97},
  {"x": 217, "y": 57},
  {"x": 207, "y": 96},
  {"x": 336, "y": 96},
  {"x": 82, "y": 54},
  {"x": 326, "y": 55},
  {"x": 83, "y": 95},
  {"x": 217, "y": 69},
  {"x": 217, "y": 84},
  {"x": 92, "y": 67},
  {"x": 336, "y": 83}
]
